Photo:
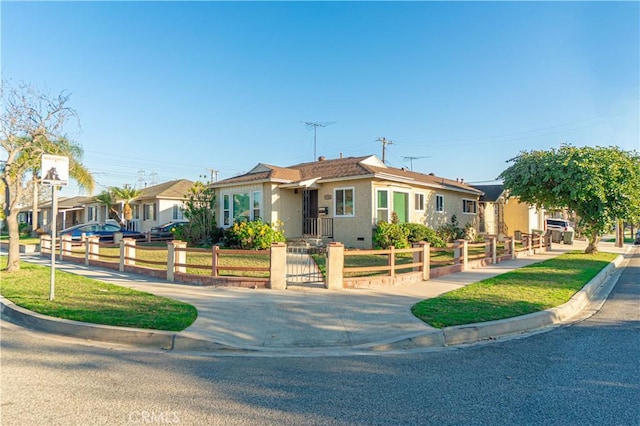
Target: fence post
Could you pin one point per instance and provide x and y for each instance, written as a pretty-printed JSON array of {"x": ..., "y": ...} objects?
[
  {"x": 462, "y": 253},
  {"x": 494, "y": 250},
  {"x": 425, "y": 256},
  {"x": 392, "y": 261},
  {"x": 171, "y": 260},
  {"x": 278, "y": 267},
  {"x": 45, "y": 243},
  {"x": 214, "y": 261},
  {"x": 335, "y": 266},
  {"x": 92, "y": 249},
  {"x": 512, "y": 248},
  {"x": 129, "y": 251},
  {"x": 65, "y": 246}
]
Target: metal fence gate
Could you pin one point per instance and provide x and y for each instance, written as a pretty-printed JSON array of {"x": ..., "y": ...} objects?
[{"x": 302, "y": 270}]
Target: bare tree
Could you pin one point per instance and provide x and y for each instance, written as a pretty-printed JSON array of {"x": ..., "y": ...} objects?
[{"x": 31, "y": 124}]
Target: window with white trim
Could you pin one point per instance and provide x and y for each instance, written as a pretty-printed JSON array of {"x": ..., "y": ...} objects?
[
  {"x": 256, "y": 205},
  {"x": 382, "y": 210},
  {"x": 241, "y": 207},
  {"x": 177, "y": 212},
  {"x": 226, "y": 210},
  {"x": 91, "y": 214},
  {"x": 344, "y": 202},
  {"x": 439, "y": 203},
  {"x": 469, "y": 206},
  {"x": 418, "y": 201},
  {"x": 149, "y": 211}
]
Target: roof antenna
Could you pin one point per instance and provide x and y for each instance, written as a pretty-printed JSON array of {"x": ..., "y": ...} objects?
[
  {"x": 413, "y": 158},
  {"x": 315, "y": 125}
]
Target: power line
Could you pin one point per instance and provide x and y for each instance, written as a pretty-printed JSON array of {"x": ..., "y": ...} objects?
[{"x": 315, "y": 125}]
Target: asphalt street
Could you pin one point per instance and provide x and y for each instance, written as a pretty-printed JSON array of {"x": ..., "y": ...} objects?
[{"x": 586, "y": 373}]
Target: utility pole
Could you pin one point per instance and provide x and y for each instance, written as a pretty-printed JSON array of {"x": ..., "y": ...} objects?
[
  {"x": 214, "y": 175},
  {"x": 315, "y": 125},
  {"x": 385, "y": 142}
]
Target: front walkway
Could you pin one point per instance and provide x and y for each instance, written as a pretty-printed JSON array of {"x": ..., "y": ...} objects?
[{"x": 307, "y": 318}]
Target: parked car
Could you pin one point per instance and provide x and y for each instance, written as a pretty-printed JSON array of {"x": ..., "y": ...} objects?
[
  {"x": 104, "y": 230},
  {"x": 637, "y": 240},
  {"x": 167, "y": 230},
  {"x": 559, "y": 225}
]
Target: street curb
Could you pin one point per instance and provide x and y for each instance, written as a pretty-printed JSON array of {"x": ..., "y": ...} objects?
[
  {"x": 490, "y": 330},
  {"x": 435, "y": 338},
  {"x": 463, "y": 334},
  {"x": 104, "y": 333}
]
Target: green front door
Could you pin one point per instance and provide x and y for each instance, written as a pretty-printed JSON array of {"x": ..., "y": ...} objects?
[{"x": 401, "y": 206}]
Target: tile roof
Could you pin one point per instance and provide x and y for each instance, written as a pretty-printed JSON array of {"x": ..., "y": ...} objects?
[{"x": 348, "y": 167}]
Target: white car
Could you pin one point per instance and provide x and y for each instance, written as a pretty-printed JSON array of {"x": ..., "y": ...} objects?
[{"x": 559, "y": 225}]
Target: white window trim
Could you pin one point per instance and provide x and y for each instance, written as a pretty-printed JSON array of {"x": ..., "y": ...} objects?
[
  {"x": 335, "y": 201},
  {"x": 424, "y": 204},
  {"x": 436, "y": 208},
  {"x": 378, "y": 190},
  {"x": 475, "y": 203},
  {"x": 254, "y": 194}
]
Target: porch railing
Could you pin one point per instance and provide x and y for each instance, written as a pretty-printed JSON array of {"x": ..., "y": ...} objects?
[{"x": 318, "y": 227}]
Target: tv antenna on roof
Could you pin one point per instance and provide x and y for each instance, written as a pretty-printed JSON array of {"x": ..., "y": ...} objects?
[
  {"x": 315, "y": 125},
  {"x": 413, "y": 158}
]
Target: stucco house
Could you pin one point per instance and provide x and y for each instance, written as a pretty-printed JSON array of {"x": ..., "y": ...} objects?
[
  {"x": 156, "y": 204},
  {"x": 342, "y": 199},
  {"x": 502, "y": 215}
]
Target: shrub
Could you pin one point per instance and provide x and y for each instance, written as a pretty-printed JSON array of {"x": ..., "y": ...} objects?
[
  {"x": 254, "y": 235},
  {"x": 452, "y": 231},
  {"x": 24, "y": 229},
  {"x": 419, "y": 232},
  {"x": 391, "y": 234}
]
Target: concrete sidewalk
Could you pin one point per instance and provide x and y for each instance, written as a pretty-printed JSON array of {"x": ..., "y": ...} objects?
[{"x": 309, "y": 319}]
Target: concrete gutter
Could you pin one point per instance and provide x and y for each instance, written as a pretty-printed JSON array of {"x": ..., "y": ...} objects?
[
  {"x": 599, "y": 287},
  {"x": 491, "y": 330}
]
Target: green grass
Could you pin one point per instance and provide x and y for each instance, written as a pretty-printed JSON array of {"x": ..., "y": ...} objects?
[
  {"x": 23, "y": 240},
  {"x": 530, "y": 289},
  {"x": 83, "y": 299}
]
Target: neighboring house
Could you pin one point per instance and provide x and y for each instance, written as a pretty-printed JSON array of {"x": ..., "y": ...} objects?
[
  {"x": 159, "y": 204},
  {"x": 71, "y": 211},
  {"x": 504, "y": 216},
  {"x": 342, "y": 199}
]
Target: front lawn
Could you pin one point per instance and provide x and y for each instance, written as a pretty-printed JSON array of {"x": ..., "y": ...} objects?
[
  {"x": 82, "y": 299},
  {"x": 530, "y": 289}
]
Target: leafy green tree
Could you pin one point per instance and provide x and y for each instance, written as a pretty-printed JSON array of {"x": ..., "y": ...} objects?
[
  {"x": 199, "y": 209},
  {"x": 601, "y": 185},
  {"x": 32, "y": 124}
]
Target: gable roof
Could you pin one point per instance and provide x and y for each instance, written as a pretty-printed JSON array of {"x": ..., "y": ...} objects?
[
  {"x": 370, "y": 167},
  {"x": 175, "y": 189},
  {"x": 491, "y": 192}
]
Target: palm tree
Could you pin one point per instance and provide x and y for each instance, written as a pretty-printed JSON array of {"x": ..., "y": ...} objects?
[
  {"x": 107, "y": 199},
  {"x": 127, "y": 195}
]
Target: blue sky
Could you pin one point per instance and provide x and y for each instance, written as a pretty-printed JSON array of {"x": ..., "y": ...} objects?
[{"x": 169, "y": 90}]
